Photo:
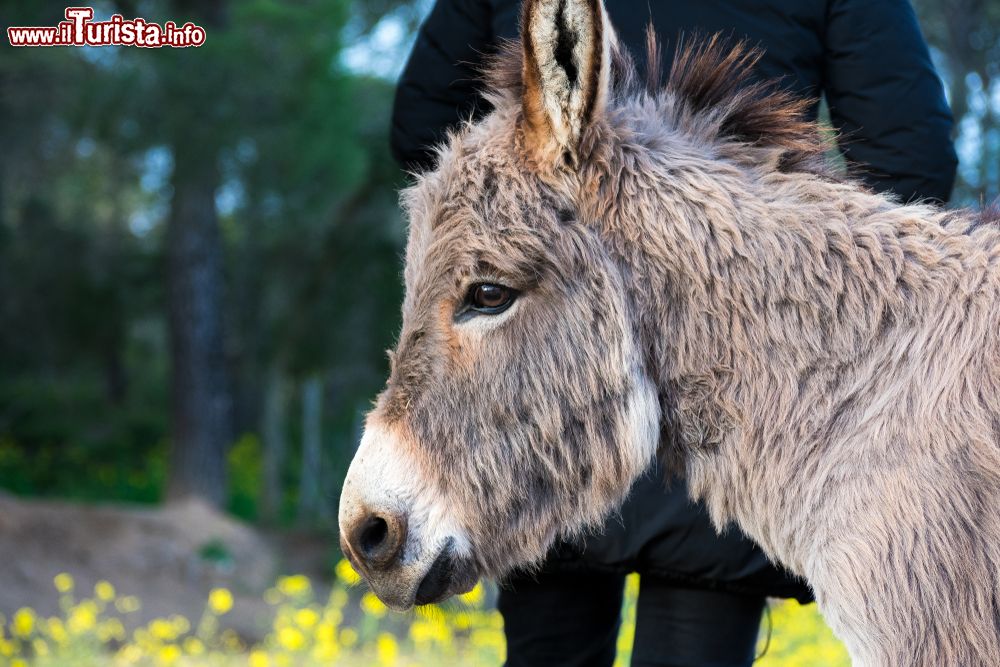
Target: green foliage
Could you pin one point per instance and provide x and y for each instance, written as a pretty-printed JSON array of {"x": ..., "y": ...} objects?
[
  {"x": 245, "y": 477},
  {"x": 215, "y": 552},
  {"x": 63, "y": 437}
]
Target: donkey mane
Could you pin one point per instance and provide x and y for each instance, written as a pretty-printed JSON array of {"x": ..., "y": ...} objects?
[
  {"x": 968, "y": 220},
  {"x": 711, "y": 77},
  {"x": 714, "y": 79},
  {"x": 989, "y": 215}
]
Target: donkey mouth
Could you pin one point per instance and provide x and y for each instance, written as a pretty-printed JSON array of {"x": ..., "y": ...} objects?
[{"x": 448, "y": 576}]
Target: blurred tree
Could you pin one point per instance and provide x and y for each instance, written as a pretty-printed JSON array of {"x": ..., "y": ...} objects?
[
  {"x": 965, "y": 34},
  {"x": 201, "y": 426},
  {"x": 245, "y": 150},
  {"x": 273, "y": 427},
  {"x": 317, "y": 211},
  {"x": 311, "y": 504},
  {"x": 73, "y": 280}
]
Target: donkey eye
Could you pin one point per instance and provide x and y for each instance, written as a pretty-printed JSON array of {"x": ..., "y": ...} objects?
[{"x": 490, "y": 299}]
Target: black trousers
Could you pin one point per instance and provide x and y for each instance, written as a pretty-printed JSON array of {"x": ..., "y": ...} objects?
[{"x": 571, "y": 619}]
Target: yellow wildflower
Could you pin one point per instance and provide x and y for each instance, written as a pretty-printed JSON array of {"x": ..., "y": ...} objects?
[
  {"x": 326, "y": 633},
  {"x": 291, "y": 638},
  {"x": 162, "y": 629},
  {"x": 40, "y": 647},
  {"x": 325, "y": 653},
  {"x": 110, "y": 629},
  {"x": 23, "y": 622},
  {"x": 193, "y": 646},
  {"x": 169, "y": 654},
  {"x": 487, "y": 639},
  {"x": 632, "y": 584},
  {"x": 429, "y": 611},
  {"x": 333, "y": 616},
  {"x": 258, "y": 658},
  {"x": 306, "y": 618},
  {"x": 372, "y": 606},
  {"x": 57, "y": 630},
  {"x": 104, "y": 591},
  {"x": 181, "y": 624},
  {"x": 338, "y": 597},
  {"x": 63, "y": 582},
  {"x": 421, "y": 631},
  {"x": 220, "y": 601},
  {"x": 294, "y": 586},
  {"x": 82, "y": 617},
  {"x": 387, "y": 649},
  {"x": 130, "y": 653},
  {"x": 142, "y": 637},
  {"x": 475, "y": 597},
  {"x": 231, "y": 641},
  {"x": 346, "y": 573},
  {"x": 128, "y": 604}
]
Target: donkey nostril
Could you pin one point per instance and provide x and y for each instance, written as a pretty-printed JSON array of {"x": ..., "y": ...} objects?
[
  {"x": 378, "y": 539},
  {"x": 373, "y": 536}
]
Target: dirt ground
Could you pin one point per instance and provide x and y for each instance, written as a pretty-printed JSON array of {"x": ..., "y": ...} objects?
[{"x": 168, "y": 557}]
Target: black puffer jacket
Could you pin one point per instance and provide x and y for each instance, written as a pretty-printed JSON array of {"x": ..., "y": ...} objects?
[{"x": 867, "y": 57}]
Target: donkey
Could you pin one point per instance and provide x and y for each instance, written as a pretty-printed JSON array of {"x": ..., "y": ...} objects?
[{"x": 603, "y": 270}]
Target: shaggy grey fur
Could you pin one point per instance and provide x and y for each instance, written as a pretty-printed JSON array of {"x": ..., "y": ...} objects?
[{"x": 825, "y": 361}]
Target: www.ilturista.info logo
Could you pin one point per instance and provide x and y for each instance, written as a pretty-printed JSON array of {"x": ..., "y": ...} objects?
[{"x": 80, "y": 30}]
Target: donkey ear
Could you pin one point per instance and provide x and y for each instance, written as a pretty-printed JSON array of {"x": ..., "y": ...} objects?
[{"x": 566, "y": 71}]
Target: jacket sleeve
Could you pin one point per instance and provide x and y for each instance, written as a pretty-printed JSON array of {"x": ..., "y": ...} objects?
[
  {"x": 886, "y": 99},
  {"x": 439, "y": 85}
]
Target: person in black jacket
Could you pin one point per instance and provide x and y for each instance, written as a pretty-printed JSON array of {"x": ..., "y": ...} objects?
[{"x": 701, "y": 594}]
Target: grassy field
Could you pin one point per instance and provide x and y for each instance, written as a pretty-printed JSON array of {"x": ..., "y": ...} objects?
[{"x": 348, "y": 627}]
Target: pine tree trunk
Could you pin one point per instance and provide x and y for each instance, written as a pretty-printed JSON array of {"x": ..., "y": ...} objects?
[
  {"x": 200, "y": 401},
  {"x": 201, "y": 405}
]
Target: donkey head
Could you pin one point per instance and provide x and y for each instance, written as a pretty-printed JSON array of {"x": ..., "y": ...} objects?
[{"x": 517, "y": 408}]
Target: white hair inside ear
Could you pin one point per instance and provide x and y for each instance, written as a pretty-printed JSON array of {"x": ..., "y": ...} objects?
[{"x": 568, "y": 42}]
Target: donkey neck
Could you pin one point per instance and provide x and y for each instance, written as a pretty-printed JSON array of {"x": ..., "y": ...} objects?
[
  {"x": 730, "y": 269},
  {"x": 760, "y": 298}
]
